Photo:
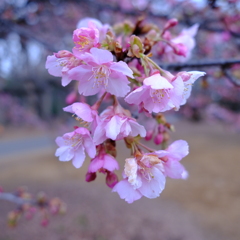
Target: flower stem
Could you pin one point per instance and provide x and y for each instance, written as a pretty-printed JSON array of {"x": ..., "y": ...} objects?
[
  {"x": 146, "y": 147},
  {"x": 98, "y": 103}
]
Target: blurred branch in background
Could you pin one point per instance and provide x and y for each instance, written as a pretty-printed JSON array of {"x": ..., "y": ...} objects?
[{"x": 29, "y": 206}]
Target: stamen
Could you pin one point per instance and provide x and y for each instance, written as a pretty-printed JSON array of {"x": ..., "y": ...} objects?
[
  {"x": 83, "y": 41},
  {"x": 75, "y": 141},
  {"x": 100, "y": 76},
  {"x": 159, "y": 94}
]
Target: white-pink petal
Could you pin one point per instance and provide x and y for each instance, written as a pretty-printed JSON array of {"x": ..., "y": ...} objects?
[
  {"x": 118, "y": 84},
  {"x": 110, "y": 163},
  {"x": 113, "y": 127},
  {"x": 126, "y": 191},
  {"x": 178, "y": 150},
  {"x": 122, "y": 67},
  {"x": 156, "y": 81},
  {"x": 101, "y": 56},
  {"x": 79, "y": 158},
  {"x": 153, "y": 188}
]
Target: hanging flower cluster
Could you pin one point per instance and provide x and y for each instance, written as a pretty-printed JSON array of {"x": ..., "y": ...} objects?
[{"x": 116, "y": 63}]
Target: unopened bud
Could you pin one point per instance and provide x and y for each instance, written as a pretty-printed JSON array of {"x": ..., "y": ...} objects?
[
  {"x": 170, "y": 23},
  {"x": 44, "y": 222},
  {"x": 161, "y": 128},
  {"x": 111, "y": 179},
  {"x": 90, "y": 176},
  {"x": 158, "y": 139},
  {"x": 71, "y": 97},
  {"x": 149, "y": 135},
  {"x": 179, "y": 49}
]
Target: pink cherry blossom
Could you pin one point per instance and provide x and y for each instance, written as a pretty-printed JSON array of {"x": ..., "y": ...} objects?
[
  {"x": 106, "y": 164},
  {"x": 171, "y": 157},
  {"x": 84, "y": 112},
  {"x": 85, "y": 39},
  {"x": 184, "y": 44},
  {"x": 101, "y": 72},
  {"x": 60, "y": 63},
  {"x": 157, "y": 94},
  {"x": 88, "y": 22},
  {"x": 103, "y": 160},
  {"x": 72, "y": 146},
  {"x": 116, "y": 123},
  {"x": 143, "y": 177}
]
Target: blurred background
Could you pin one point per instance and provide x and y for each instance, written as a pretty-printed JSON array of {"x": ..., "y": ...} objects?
[{"x": 206, "y": 206}]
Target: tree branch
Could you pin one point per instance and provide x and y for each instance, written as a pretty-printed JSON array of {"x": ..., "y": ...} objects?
[
  {"x": 205, "y": 63},
  {"x": 12, "y": 198}
]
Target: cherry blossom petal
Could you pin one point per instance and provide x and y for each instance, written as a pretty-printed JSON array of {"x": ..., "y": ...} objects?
[
  {"x": 153, "y": 188},
  {"x": 65, "y": 156},
  {"x": 82, "y": 110},
  {"x": 156, "y": 81},
  {"x": 81, "y": 73},
  {"x": 95, "y": 164},
  {"x": 123, "y": 68},
  {"x": 53, "y": 66},
  {"x": 65, "y": 79},
  {"x": 126, "y": 191},
  {"x": 110, "y": 163},
  {"x": 137, "y": 96},
  {"x": 86, "y": 88},
  {"x": 137, "y": 129},
  {"x": 176, "y": 94},
  {"x": 99, "y": 135},
  {"x": 85, "y": 22},
  {"x": 188, "y": 84},
  {"x": 79, "y": 158},
  {"x": 118, "y": 84},
  {"x": 126, "y": 128},
  {"x": 60, "y": 141},
  {"x": 101, "y": 56},
  {"x": 113, "y": 127},
  {"x": 178, "y": 150},
  {"x": 90, "y": 147},
  {"x": 174, "y": 169}
]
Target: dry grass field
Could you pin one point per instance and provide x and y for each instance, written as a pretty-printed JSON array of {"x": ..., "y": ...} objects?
[{"x": 206, "y": 206}]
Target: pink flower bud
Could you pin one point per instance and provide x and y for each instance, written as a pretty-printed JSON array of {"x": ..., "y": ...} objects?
[
  {"x": 158, "y": 139},
  {"x": 71, "y": 97},
  {"x": 111, "y": 179},
  {"x": 179, "y": 49},
  {"x": 149, "y": 135},
  {"x": 161, "y": 128},
  {"x": 44, "y": 222},
  {"x": 90, "y": 176},
  {"x": 63, "y": 53},
  {"x": 171, "y": 23}
]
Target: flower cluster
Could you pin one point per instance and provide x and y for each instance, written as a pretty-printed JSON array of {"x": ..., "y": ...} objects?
[
  {"x": 28, "y": 206},
  {"x": 117, "y": 66}
]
